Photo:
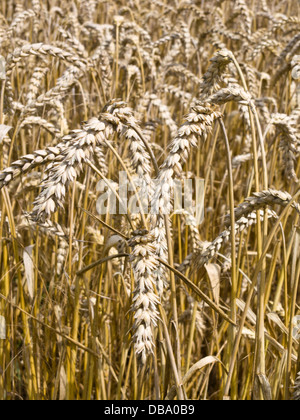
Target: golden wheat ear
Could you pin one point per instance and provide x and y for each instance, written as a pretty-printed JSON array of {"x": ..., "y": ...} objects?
[{"x": 149, "y": 201}]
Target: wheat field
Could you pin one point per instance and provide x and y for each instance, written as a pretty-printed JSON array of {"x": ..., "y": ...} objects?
[{"x": 110, "y": 289}]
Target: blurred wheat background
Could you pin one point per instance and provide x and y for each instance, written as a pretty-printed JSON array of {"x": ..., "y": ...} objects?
[{"x": 141, "y": 306}]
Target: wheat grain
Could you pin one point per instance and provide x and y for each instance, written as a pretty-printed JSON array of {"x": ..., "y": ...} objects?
[
  {"x": 145, "y": 301},
  {"x": 18, "y": 22},
  {"x": 289, "y": 143},
  {"x": 42, "y": 123},
  {"x": 214, "y": 74},
  {"x": 62, "y": 173},
  {"x": 242, "y": 223},
  {"x": 41, "y": 49},
  {"x": 241, "y": 8},
  {"x": 261, "y": 199},
  {"x": 178, "y": 67},
  {"x": 296, "y": 394},
  {"x": 35, "y": 83},
  {"x": 233, "y": 93}
]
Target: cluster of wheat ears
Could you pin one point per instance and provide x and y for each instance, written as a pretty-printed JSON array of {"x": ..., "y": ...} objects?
[{"x": 157, "y": 305}]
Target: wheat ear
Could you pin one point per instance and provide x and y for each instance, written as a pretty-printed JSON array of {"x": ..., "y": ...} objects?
[
  {"x": 296, "y": 394},
  {"x": 144, "y": 305}
]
